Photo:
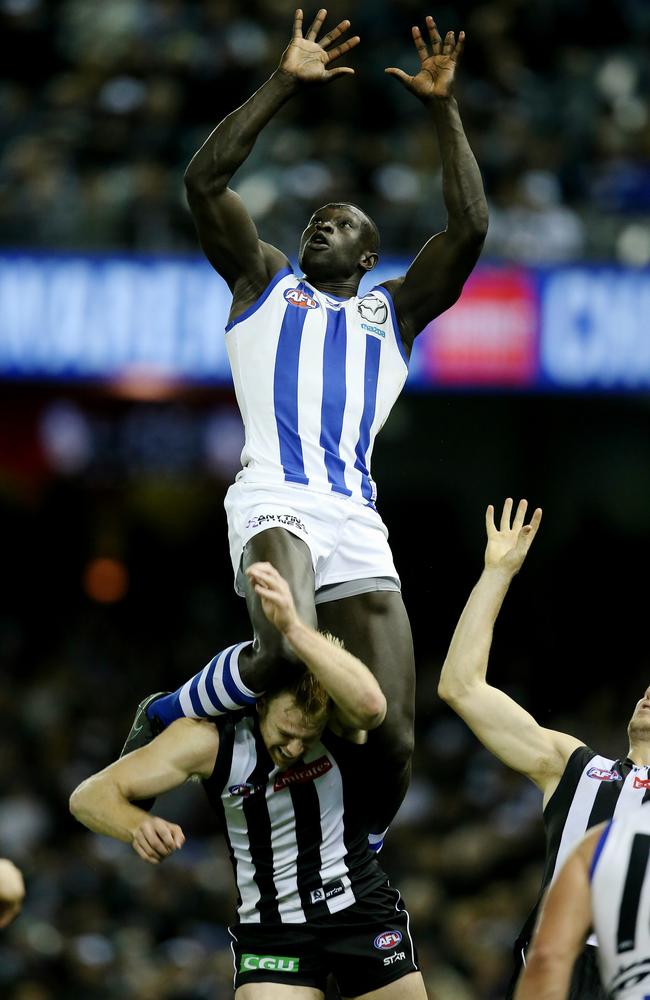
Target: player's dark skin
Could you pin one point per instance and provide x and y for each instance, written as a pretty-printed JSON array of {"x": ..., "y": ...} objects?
[{"x": 337, "y": 248}]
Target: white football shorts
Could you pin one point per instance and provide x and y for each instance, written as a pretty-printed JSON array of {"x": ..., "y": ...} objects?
[{"x": 348, "y": 541}]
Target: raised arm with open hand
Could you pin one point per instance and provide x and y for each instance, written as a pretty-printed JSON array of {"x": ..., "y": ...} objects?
[
  {"x": 502, "y": 726},
  {"x": 307, "y": 59},
  {"x": 435, "y": 77}
]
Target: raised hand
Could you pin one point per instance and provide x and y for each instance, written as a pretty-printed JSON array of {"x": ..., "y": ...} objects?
[
  {"x": 437, "y": 68},
  {"x": 307, "y": 60},
  {"x": 275, "y": 595},
  {"x": 508, "y": 545}
]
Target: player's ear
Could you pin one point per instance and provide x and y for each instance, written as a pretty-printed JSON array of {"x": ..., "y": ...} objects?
[{"x": 368, "y": 261}]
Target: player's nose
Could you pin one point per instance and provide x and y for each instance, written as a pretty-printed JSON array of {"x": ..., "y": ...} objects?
[{"x": 295, "y": 749}]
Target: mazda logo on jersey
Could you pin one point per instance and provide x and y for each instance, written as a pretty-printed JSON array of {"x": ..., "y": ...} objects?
[
  {"x": 302, "y": 773},
  {"x": 387, "y": 940},
  {"x": 373, "y": 309},
  {"x": 295, "y": 297},
  {"x": 600, "y": 775}
]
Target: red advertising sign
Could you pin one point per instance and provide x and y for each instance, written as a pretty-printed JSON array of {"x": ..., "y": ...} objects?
[{"x": 489, "y": 337}]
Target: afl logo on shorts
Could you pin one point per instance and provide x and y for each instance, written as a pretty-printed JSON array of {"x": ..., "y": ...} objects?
[
  {"x": 297, "y": 298},
  {"x": 387, "y": 940}
]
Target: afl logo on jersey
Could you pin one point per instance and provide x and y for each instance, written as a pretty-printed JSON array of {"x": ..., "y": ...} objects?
[
  {"x": 295, "y": 297},
  {"x": 387, "y": 940},
  {"x": 600, "y": 775},
  {"x": 245, "y": 789},
  {"x": 373, "y": 309}
]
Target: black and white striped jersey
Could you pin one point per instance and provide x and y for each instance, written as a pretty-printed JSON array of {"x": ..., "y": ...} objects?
[
  {"x": 298, "y": 838},
  {"x": 592, "y": 789},
  {"x": 620, "y": 904}
]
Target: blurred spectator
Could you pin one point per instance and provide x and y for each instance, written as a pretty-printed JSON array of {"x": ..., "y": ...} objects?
[{"x": 101, "y": 110}]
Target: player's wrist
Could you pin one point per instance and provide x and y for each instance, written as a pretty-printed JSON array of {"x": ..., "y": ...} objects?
[{"x": 285, "y": 80}]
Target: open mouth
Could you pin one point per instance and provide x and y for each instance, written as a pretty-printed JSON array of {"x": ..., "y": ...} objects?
[{"x": 318, "y": 240}]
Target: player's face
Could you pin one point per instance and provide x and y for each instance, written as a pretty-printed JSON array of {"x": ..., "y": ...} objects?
[
  {"x": 333, "y": 243},
  {"x": 287, "y": 733},
  {"x": 640, "y": 720}
]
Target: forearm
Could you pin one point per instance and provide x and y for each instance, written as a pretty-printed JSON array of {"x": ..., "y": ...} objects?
[
  {"x": 546, "y": 977},
  {"x": 232, "y": 140},
  {"x": 346, "y": 679},
  {"x": 462, "y": 185},
  {"x": 467, "y": 658},
  {"x": 101, "y": 807}
]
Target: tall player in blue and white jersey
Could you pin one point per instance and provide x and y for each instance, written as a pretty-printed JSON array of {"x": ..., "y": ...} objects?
[
  {"x": 288, "y": 780},
  {"x": 317, "y": 369},
  {"x": 604, "y": 884}
]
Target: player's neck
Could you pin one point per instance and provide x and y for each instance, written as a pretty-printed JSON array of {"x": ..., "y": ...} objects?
[
  {"x": 639, "y": 753},
  {"x": 344, "y": 289}
]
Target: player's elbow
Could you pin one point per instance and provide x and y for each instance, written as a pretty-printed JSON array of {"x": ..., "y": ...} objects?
[
  {"x": 77, "y": 802},
  {"x": 374, "y": 711}
]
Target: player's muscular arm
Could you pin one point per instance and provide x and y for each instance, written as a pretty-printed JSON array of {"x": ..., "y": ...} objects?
[
  {"x": 437, "y": 275},
  {"x": 103, "y": 802},
  {"x": 359, "y": 701},
  {"x": 505, "y": 728},
  {"x": 563, "y": 925},
  {"x": 226, "y": 231}
]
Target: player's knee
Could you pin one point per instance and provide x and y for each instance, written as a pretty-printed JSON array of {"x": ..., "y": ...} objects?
[{"x": 273, "y": 661}]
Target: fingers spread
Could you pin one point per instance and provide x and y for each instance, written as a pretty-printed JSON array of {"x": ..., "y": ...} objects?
[
  {"x": 420, "y": 44},
  {"x": 342, "y": 49},
  {"x": 317, "y": 24},
  {"x": 434, "y": 36},
  {"x": 335, "y": 33},
  {"x": 505, "y": 515},
  {"x": 449, "y": 43},
  {"x": 297, "y": 24},
  {"x": 399, "y": 74},
  {"x": 489, "y": 519},
  {"x": 522, "y": 507}
]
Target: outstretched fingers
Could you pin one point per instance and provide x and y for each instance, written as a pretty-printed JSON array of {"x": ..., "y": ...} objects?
[
  {"x": 505, "y": 515},
  {"x": 316, "y": 25},
  {"x": 490, "y": 526},
  {"x": 297, "y": 24},
  {"x": 434, "y": 36},
  {"x": 420, "y": 44},
  {"x": 341, "y": 49},
  {"x": 335, "y": 33},
  {"x": 520, "y": 515}
]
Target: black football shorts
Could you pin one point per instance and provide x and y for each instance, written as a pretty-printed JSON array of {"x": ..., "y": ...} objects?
[{"x": 366, "y": 946}]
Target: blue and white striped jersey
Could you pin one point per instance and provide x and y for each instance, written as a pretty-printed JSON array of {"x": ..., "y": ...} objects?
[{"x": 315, "y": 377}]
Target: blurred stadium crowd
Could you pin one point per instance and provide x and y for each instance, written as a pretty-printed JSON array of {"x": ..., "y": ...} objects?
[{"x": 102, "y": 106}]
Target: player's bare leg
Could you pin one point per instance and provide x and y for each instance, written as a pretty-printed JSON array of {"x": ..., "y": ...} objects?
[
  {"x": 375, "y": 627},
  {"x": 409, "y": 987}
]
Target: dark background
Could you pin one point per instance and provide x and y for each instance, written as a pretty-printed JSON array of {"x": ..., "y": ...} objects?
[{"x": 91, "y": 473}]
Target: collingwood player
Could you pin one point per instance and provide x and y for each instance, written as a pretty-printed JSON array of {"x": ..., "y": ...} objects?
[
  {"x": 316, "y": 370},
  {"x": 581, "y": 788},
  {"x": 604, "y": 884},
  {"x": 289, "y": 781}
]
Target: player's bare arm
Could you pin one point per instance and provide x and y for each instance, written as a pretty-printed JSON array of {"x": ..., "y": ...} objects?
[
  {"x": 226, "y": 231},
  {"x": 103, "y": 802},
  {"x": 358, "y": 699},
  {"x": 503, "y": 726},
  {"x": 436, "y": 277},
  {"x": 562, "y": 928}
]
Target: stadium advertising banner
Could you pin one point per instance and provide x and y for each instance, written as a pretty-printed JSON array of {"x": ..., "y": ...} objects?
[{"x": 572, "y": 328}]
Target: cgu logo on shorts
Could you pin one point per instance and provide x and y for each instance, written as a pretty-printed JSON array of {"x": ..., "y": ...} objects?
[
  {"x": 600, "y": 775},
  {"x": 270, "y": 963},
  {"x": 301, "y": 299},
  {"x": 387, "y": 940}
]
